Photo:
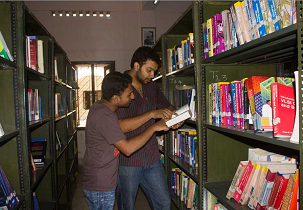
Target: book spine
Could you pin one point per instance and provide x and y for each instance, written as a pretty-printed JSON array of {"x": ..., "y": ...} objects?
[
  {"x": 275, "y": 107},
  {"x": 214, "y": 34},
  {"x": 210, "y": 37},
  {"x": 205, "y": 41},
  {"x": 222, "y": 104},
  {"x": 249, "y": 18},
  {"x": 241, "y": 109},
  {"x": 243, "y": 182},
  {"x": 235, "y": 181},
  {"x": 246, "y": 23},
  {"x": 233, "y": 93},
  {"x": 237, "y": 105},
  {"x": 259, "y": 18},
  {"x": 220, "y": 37},
  {"x": 191, "y": 45},
  {"x": 275, "y": 17},
  {"x": 287, "y": 193},
  {"x": 237, "y": 25},
  {"x": 214, "y": 98}
]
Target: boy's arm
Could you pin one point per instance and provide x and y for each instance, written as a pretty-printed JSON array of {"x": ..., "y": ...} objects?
[
  {"x": 130, "y": 124},
  {"x": 128, "y": 146}
]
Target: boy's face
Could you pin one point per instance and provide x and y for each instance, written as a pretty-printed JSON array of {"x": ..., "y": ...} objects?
[
  {"x": 146, "y": 72},
  {"x": 126, "y": 97}
]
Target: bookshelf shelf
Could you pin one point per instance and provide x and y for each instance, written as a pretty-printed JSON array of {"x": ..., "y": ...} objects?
[
  {"x": 21, "y": 200},
  {"x": 8, "y": 136},
  {"x": 219, "y": 190},
  {"x": 70, "y": 139},
  {"x": 60, "y": 118},
  {"x": 158, "y": 78},
  {"x": 61, "y": 151},
  {"x": 70, "y": 112},
  {"x": 7, "y": 64},
  {"x": 191, "y": 122},
  {"x": 36, "y": 123},
  {"x": 278, "y": 45},
  {"x": 57, "y": 82},
  {"x": 266, "y": 137},
  {"x": 62, "y": 179},
  {"x": 185, "y": 167},
  {"x": 47, "y": 205},
  {"x": 185, "y": 71},
  {"x": 40, "y": 172},
  {"x": 177, "y": 202},
  {"x": 35, "y": 75}
]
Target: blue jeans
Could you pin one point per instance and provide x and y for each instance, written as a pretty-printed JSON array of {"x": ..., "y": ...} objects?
[
  {"x": 153, "y": 182},
  {"x": 100, "y": 200}
]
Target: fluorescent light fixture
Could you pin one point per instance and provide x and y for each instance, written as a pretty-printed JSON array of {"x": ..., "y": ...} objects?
[
  {"x": 101, "y": 14},
  {"x": 87, "y": 14},
  {"x": 155, "y": 2},
  {"x": 67, "y": 14},
  {"x": 108, "y": 14},
  {"x": 60, "y": 13},
  {"x": 94, "y": 14},
  {"x": 74, "y": 14},
  {"x": 81, "y": 14},
  {"x": 53, "y": 14}
]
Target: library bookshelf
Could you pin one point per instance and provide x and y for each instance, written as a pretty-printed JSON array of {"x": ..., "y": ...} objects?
[
  {"x": 220, "y": 147},
  {"x": 54, "y": 181}
]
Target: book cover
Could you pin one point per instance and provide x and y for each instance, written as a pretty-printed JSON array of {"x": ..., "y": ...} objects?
[
  {"x": 250, "y": 185},
  {"x": 226, "y": 28},
  {"x": 285, "y": 12},
  {"x": 214, "y": 34},
  {"x": 4, "y": 51},
  {"x": 250, "y": 19},
  {"x": 243, "y": 181},
  {"x": 283, "y": 104},
  {"x": 38, "y": 150},
  {"x": 235, "y": 182},
  {"x": 236, "y": 22},
  {"x": 281, "y": 191},
  {"x": 183, "y": 114},
  {"x": 274, "y": 15},
  {"x": 234, "y": 99},
  {"x": 287, "y": 194},
  {"x": 259, "y": 18},
  {"x": 220, "y": 34},
  {"x": 248, "y": 35},
  {"x": 33, "y": 52},
  {"x": 210, "y": 37},
  {"x": 40, "y": 56}
]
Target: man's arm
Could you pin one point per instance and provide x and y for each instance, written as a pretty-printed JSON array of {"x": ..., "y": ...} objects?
[
  {"x": 130, "y": 124},
  {"x": 128, "y": 146}
]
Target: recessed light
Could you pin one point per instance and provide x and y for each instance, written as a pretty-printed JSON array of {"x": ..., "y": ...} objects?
[{"x": 101, "y": 14}]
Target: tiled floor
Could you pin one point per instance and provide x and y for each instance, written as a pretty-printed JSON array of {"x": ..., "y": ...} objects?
[{"x": 79, "y": 202}]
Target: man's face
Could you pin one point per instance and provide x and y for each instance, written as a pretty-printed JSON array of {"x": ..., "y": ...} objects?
[
  {"x": 146, "y": 72},
  {"x": 126, "y": 97}
]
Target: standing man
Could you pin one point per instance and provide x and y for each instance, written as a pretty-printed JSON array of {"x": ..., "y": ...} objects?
[
  {"x": 105, "y": 140},
  {"x": 144, "y": 166}
]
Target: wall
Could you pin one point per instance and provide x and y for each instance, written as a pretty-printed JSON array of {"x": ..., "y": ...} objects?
[{"x": 102, "y": 39}]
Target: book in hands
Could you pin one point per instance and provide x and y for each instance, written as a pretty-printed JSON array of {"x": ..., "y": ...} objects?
[{"x": 183, "y": 114}]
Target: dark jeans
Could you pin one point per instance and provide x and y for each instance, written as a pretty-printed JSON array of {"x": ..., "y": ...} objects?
[
  {"x": 100, "y": 200},
  {"x": 153, "y": 182}
]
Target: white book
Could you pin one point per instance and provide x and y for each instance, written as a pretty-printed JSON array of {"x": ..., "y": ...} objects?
[
  {"x": 295, "y": 133},
  {"x": 1, "y": 130},
  {"x": 40, "y": 57},
  {"x": 183, "y": 114}
]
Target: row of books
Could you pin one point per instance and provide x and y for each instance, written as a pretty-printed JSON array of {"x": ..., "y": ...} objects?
[
  {"x": 184, "y": 187},
  {"x": 185, "y": 94},
  {"x": 266, "y": 181},
  {"x": 59, "y": 111},
  {"x": 257, "y": 103},
  {"x": 8, "y": 197},
  {"x": 185, "y": 146},
  {"x": 34, "y": 53},
  {"x": 34, "y": 105},
  {"x": 4, "y": 51},
  {"x": 245, "y": 21},
  {"x": 181, "y": 55}
]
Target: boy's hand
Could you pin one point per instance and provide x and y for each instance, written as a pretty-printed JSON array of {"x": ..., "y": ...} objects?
[
  {"x": 162, "y": 113},
  {"x": 161, "y": 125}
]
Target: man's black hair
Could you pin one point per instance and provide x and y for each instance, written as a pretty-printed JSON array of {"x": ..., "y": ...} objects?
[
  {"x": 142, "y": 54},
  {"x": 115, "y": 83}
]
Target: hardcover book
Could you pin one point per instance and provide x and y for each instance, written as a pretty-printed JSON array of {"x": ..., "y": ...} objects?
[
  {"x": 283, "y": 104},
  {"x": 38, "y": 149}
]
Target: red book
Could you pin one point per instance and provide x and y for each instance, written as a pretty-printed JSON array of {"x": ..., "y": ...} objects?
[
  {"x": 283, "y": 105},
  {"x": 280, "y": 193},
  {"x": 243, "y": 182},
  {"x": 33, "y": 53}
]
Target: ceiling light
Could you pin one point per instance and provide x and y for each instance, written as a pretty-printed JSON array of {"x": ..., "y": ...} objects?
[
  {"x": 74, "y": 14},
  {"x": 94, "y": 14},
  {"x": 107, "y": 14},
  {"x": 155, "y": 2},
  {"x": 101, "y": 14},
  {"x": 81, "y": 14},
  {"x": 60, "y": 14},
  {"x": 87, "y": 14},
  {"x": 67, "y": 14},
  {"x": 53, "y": 14}
]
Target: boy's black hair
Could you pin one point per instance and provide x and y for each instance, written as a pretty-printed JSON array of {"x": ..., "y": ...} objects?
[
  {"x": 142, "y": 54},
  {"x": 115, "y": 83}
]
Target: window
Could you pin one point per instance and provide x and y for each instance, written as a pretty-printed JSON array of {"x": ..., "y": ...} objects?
[{"x": 90, "y": 77}]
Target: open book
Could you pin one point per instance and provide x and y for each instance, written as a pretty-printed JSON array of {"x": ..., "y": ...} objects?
[{"x": 183, "y": 114}]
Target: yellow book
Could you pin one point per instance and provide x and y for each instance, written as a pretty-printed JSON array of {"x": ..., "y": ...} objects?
[{"x": 210, "y": 37}]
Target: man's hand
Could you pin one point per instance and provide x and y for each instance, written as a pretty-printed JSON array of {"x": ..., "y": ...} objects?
[
  {"x": 178, "y": 125},
  {"x": 162, "y": 113},
  {"x": 161, "y": 125}
]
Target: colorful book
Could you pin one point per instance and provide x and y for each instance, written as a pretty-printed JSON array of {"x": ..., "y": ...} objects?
[{"x": 4, "y": 51}]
